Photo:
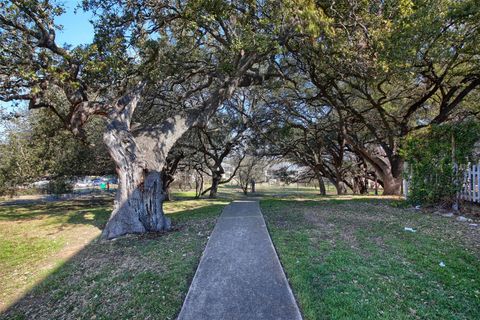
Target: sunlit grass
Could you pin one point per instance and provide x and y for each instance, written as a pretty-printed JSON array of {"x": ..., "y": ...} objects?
[
  {"x": 172, "y": 207},
  {"x": 35, "y": 239},
  {"x": 44, "y": 246}
]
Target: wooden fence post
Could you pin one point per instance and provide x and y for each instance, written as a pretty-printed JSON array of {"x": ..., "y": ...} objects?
[{"x": 405, "y": 180}]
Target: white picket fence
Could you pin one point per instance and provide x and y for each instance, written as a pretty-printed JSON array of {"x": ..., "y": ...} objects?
[{"x": 471, "y": 184}]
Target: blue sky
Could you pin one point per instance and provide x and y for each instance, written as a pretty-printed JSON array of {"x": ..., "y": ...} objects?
[{"x": 76, "y": 26}]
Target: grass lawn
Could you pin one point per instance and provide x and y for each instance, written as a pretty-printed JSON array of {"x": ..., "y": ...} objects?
[
  {"x": 294, "y": 190},
  {"x": 352, "y": 259},
  {"x": 52, "y": 266},
  {"x": 287, "y": 191},
  {"x": 345, "y": 257}
]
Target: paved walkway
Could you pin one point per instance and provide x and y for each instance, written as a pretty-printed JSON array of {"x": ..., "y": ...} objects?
[{"x": 239, "y": 275}]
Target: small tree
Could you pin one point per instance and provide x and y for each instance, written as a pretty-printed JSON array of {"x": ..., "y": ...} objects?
[
  {"x": 217, "y": 140},
  {"x": 251, "y": 170}
]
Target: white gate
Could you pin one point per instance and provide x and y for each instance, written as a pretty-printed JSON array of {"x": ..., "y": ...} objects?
[{"x": 471, "y": 189}]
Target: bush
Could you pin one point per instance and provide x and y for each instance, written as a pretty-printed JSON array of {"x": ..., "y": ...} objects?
[
  {"x": 60, "y": 185},
  {"x": 429, "y": 153}
]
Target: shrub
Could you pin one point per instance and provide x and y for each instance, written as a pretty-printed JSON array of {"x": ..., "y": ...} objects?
[
  {"x": 430, "y": 153},
  {"x": 60, "y": 185}
]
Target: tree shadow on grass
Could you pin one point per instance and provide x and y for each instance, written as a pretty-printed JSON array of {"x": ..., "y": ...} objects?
[
  {"x": 41, "y": 210},
  {"x": 136, "y": 276}
]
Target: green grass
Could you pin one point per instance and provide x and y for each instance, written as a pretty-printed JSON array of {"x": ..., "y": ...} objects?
[
  {"x": 351, "y": 259},
  {"x": 232, "y": 191},
  {"x": 288, "y": 191},
  {"x": 52, "y": 266},
  {"x": 346, "y": 258}
]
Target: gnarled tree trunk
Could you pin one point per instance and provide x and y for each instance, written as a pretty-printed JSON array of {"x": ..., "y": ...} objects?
[
  {"x": 340, "y": 186},
  {"x": 216, "y": 178},
  {"x": 140, "y": 156},
  {"x": 388, "y": 166},
  {"x": 321, "y": 186},
  {"x": 392, "y": 177},
  {"x": 138, "y": 206},
  {"x": 391, "y": 185},
  {"x": 140, "y": 194}
]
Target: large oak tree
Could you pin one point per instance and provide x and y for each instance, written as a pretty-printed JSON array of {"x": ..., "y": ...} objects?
[{"x": 155, "y": 69}]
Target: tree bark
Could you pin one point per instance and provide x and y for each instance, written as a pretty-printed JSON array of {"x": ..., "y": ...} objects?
[
  {"x": 198, "y": 185},
  {"x": 321, "y": 186},
  {"x": 140, "y": 194},
  {"x": 168, "y": 194},
  {"x": 138, "y": 203},
  {"x": 391, "y": 185},
  {"x": 245, "y": 187},
  {"x": 140, "y": 160},
  {"x": 340, "y": 186},
  {"x": 392, "y": 179},
  {"x": 388, "y": 167},
  {"x": 216, "y": 178}
]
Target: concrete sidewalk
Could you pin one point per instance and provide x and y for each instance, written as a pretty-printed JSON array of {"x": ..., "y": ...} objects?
[{"x": 239, "y": 275}]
